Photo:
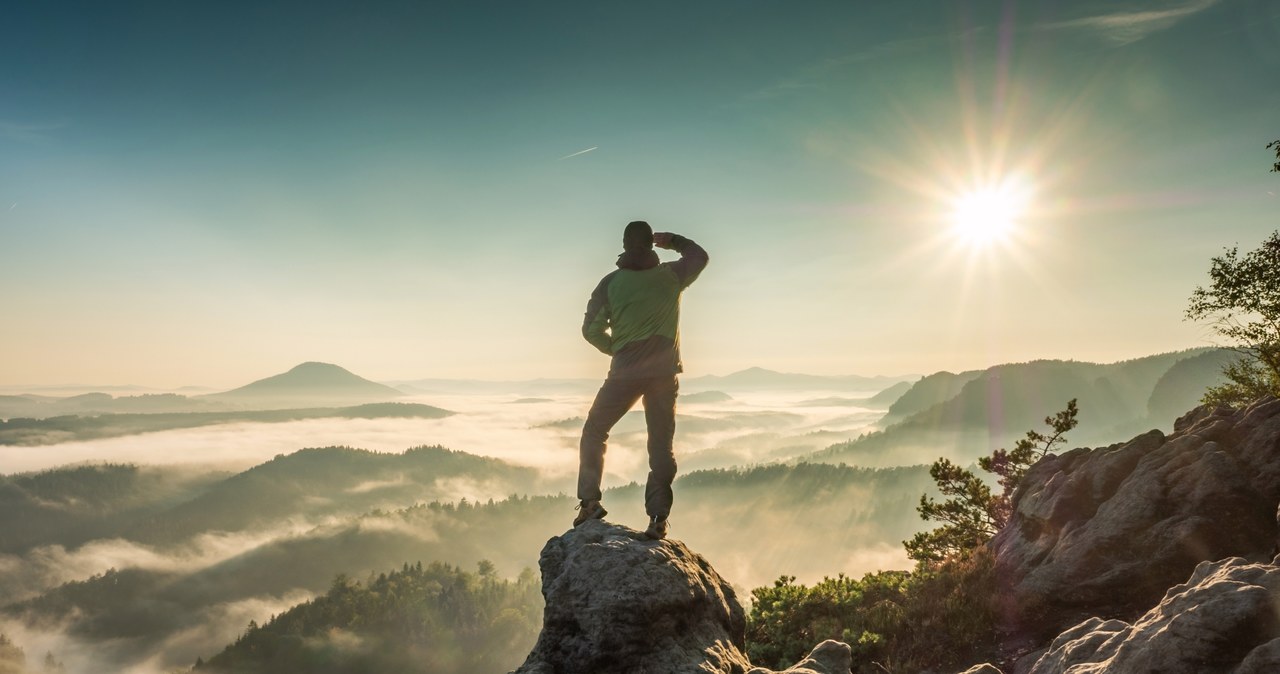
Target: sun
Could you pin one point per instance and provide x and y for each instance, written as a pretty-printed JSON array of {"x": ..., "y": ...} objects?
[{"x": 988, "y": 215}]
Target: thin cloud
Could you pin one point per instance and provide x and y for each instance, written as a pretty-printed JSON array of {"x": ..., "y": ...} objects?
[
  {"x": 813, "y": 76},
  {"x": 1126, "y": 27},
  {"x": 570, "y": 156},
  {"x": 29, "y": 133}
]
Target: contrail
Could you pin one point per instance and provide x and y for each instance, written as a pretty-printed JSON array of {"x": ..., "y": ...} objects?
[{"x": 568, "y": 156}]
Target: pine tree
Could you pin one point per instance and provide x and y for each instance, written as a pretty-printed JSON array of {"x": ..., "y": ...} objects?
[{"x": 971, "y": 514}]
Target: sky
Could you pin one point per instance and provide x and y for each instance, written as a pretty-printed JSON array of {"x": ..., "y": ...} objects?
[{"x": 203, "y": 194}]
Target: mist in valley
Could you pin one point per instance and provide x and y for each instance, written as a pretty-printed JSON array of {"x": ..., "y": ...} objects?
[
  {"x": 246, "y": 523},
  {"x": 164, "y": 553}
]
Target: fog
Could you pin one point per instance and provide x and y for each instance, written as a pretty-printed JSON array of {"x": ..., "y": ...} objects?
[
  {"x": 211, "y": 629},
  {"x": 752, "y": 428},
  {"x": 241, "y": 569},
  {"x": 29, "y": 574}
]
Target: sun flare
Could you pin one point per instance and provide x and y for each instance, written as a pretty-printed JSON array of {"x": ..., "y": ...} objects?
[{"x": 988, "y": 215}]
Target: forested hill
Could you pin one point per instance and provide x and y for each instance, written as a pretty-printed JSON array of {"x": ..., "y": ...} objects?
[
  {"x": 320, "y": 483},
  {"x": 977, "y": 412},
  {"x": 436, "y": 619},
  {"x": 47, "y": 431},
  {"x": 69, "y": 506}
]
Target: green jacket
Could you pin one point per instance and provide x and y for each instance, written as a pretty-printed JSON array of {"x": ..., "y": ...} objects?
[{"x": 634, "y": 312}]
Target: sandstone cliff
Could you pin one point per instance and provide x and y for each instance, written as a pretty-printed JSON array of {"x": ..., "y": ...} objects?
[
  {"x": 1223, "y": 619},
  {"x": 1099, "y": 536}
]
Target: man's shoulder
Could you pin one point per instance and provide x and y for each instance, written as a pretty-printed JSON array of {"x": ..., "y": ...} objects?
[{"x": 604, "y": 281}]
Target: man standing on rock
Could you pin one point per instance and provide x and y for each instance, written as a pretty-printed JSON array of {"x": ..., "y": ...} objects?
[{"x": 633, "y": 316}]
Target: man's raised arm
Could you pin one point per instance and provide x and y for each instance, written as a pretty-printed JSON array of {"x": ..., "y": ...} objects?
[{"x": 693, "y": 259}]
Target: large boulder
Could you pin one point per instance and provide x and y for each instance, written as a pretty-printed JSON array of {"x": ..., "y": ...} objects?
[
  {"x": 619, "y": 602},
  {"x": 1105, "y": 532},
  {"x": 828, "y": 657},
  {"x": 1223, "y": 620}
]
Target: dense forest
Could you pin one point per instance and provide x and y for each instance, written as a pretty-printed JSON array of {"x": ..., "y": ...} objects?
[{"x": 436, "y": 619}]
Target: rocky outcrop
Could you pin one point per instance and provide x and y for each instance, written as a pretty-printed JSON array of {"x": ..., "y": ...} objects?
[
  {"x": 1105, "y": 532},
  {"x": 1222, "y": 620},
  {"x": 830, "y": 657},
  {"x": 619, "y": 602}
]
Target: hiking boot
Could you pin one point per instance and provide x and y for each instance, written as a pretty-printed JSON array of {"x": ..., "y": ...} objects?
[
  {"x": 657, "y": 528},
  {"x": 589, "y": 510}
]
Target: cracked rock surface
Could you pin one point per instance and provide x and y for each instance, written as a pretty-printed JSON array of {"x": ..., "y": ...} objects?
[
  {"x": 619, "y": 602},
  {"x": 1223, "y": 620},
  {"x": 1104, "y": 532}
]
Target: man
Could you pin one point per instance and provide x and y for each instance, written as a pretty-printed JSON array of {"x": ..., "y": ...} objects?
[{"x": 633, "y": 316}]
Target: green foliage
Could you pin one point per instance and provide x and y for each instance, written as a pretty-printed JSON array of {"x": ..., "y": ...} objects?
[
  {"x": 1011, "y": 467},
  {"x": 950, "y": 617},
  {"x": 938, "y": 618},
  {"x": 787, "y": 619},
  {"x": 971, "y": 514},
  {"x": 967, "y": 514},
  {"x": 1275, "y": 144},
  {"x": 438, "y": 619},
  {"x": 1242, "y": 305}
]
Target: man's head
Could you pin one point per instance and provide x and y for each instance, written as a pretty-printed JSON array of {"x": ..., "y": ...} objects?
[{"x": 637, "y": 236}]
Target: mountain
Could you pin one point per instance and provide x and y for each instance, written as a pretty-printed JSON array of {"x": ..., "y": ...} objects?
[
  {"x": 760, "y": 379},
  {"x": 1182, "y": 386},
  {"x": 309, "y": 384},
  {"x": 886, "y": 398},
  {"x": 936, "y": 388},
  {"x": 984, "y": 410}
]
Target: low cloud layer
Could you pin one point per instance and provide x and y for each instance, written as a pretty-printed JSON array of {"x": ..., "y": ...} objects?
[
  {"x": 750, "y": 428},
  {"x": 489, "y": 425},
  {"x": 24, "y": 576}
]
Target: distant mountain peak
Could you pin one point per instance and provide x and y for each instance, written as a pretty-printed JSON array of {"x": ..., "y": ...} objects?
[
  {"x": 315, "y": 380},
  {"x": 317, "y": 366}
]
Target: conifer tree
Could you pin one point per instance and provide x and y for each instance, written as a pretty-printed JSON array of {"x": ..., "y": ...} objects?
[{"x": 970, "y": 513}]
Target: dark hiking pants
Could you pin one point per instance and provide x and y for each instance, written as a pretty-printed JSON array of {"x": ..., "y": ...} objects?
[{"x": 613, "y": 401}]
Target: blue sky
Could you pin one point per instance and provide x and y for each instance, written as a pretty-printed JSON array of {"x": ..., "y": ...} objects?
[{"x": 210, "y": 193}]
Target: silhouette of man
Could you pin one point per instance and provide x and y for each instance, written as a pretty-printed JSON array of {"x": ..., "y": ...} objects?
[{"x": 633, "y": 315}]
